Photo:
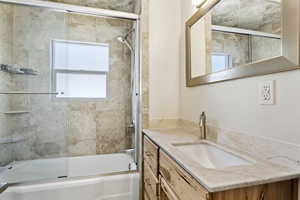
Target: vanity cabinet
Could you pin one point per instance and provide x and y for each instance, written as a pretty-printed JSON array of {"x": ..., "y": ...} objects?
[
  {"x": 164, "y": 179},
  {"x": 150, "y": 175},
  {"x": 273, "y": 191}
]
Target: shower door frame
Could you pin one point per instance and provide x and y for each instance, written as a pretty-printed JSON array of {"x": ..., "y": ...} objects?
[
  {"x": 63, "y": 7},
  {"x": 98, "y": 12}
]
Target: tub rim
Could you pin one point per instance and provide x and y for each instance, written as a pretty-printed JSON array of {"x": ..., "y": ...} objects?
[{"x": 55, "y": 180}]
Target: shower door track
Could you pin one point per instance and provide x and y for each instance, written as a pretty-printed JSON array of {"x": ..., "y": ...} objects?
[
  {"x": 75, "y": 9},
  {"x": 43, "y": 181},
  {"x": 30, "y": 93}
]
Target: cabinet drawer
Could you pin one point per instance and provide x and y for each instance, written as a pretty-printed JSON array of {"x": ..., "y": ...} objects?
[
  {"x": 273, "y": 191},
  {"x": 166, "y": 192},
  {"x": 250, "y": 193},
  {"x": 183, "y": 184},
  {"x": 151, "y": 183},
  {"x": 151, "y": 155}
]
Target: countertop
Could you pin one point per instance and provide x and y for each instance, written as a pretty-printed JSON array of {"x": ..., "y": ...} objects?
[{"x": 260, "y": 171}]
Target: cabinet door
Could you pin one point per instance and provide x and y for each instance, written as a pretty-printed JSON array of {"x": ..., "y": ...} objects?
[
  {"x": 151, "y": 155},
  {"x": 151, "y": 183},
  {"x": 279, "y": 191},
  {"x": 273, "y": 191},
  {"x": 250, "y": 193},
  {"x": 166, "y": 192}
]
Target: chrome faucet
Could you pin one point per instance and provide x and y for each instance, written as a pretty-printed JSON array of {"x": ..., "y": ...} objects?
[{"x": 202, "y": 126}]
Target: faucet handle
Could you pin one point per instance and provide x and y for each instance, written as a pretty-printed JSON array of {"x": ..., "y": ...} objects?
[{"x": 202, "y": 125}]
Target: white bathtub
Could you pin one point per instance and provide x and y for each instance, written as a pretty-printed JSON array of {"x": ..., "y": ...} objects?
[{"x": 96, "y": 178}]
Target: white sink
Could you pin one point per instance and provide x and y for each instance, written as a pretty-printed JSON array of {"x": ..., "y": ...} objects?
[{"x": 210, "y": 156}]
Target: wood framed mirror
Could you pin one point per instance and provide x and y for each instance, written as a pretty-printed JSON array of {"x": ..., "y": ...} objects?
[{"x": 232, "y": 39}]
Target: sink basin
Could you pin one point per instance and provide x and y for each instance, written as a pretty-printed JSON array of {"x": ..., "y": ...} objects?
[{"x": 210, "y": 155}]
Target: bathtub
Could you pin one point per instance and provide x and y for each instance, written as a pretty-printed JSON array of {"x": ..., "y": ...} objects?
[{"x": 101, "y": 177}]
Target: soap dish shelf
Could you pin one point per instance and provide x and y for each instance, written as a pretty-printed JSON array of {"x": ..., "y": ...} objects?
[
  {"x": 16, "y": 112},
  {"x": 12, "y": 140}
]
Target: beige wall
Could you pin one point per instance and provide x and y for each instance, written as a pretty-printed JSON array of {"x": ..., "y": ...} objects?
[
  {"x": 234, "y": 105},
  {"x": 231, "y": 105},
  {"x": 198, "y": 48},
  {"x": 144, "y": 35},
  {"x": 164, "y": 56}
]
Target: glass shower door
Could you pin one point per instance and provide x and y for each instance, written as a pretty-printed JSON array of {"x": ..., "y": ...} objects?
[
  {"x": 96, "y": 54},
  {"x": 100, "y": 108},
  {"x": 32, "y": 126},
  {"x": 68, "y": 94}
]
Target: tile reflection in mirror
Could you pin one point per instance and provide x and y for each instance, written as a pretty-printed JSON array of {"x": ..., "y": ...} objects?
[{"x": 236, "y": 33}]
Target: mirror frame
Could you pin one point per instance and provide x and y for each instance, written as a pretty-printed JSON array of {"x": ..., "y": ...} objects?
[{"x": 290, "y": 48}]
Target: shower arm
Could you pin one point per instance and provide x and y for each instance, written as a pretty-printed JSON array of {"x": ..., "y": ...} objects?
[{"x": 128, "y": 33}]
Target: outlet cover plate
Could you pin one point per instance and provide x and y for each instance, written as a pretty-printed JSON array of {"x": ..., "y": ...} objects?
[{"x": 266, "y": 93}]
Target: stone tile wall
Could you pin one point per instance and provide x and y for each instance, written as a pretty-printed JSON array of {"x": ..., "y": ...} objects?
[
  {"x": 65, "y": 127},
  {"x": 145, "y": 62},
  {"x": 5, "y": 78},
  {"x": 234, "y": 44}
]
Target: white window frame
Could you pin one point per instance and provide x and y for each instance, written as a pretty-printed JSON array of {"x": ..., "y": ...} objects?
[
  {"x": 54, "y": 71},
  {"x": 228, "y": 59}
]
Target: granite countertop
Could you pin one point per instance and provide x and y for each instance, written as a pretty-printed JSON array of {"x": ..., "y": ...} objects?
[{"x": 260, "y": 171}]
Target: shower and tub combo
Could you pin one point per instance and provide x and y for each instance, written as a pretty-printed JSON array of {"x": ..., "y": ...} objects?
[
  {"x": 70, "y": 102},
  {"x": 103, "y": 177}
]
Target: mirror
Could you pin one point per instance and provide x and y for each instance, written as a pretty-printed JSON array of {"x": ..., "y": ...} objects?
[{"x": 230, "y": 39}]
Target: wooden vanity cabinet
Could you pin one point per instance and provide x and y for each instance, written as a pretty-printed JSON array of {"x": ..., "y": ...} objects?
[
  {"x": 273, "y": 191},
  {"x": 151, "y": 155},
  {"x": 150, "y": 175},
  {"x": 164, "y": 179}
]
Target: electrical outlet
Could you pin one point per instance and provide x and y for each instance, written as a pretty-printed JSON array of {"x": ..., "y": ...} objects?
[{"x": 266, "y": 93}]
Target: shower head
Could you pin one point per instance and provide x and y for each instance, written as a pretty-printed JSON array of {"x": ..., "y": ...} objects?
[
  {"x": 125, "y": 41},
  {"x": 121, "y": 39}
]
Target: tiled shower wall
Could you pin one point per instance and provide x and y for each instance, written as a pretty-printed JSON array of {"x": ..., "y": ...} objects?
[
  {"x": 62, "y": 127},
  {"x": 237, "y": 45},
  {"x": 5, "y": 79},
  {"x": 234, "y": 44},
  {"x": 265, "y": 19}
]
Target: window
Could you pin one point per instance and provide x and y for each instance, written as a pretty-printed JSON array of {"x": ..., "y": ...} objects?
[
  {"x": 221, "y": 61},
  {"x": 80, "y": 69}
]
